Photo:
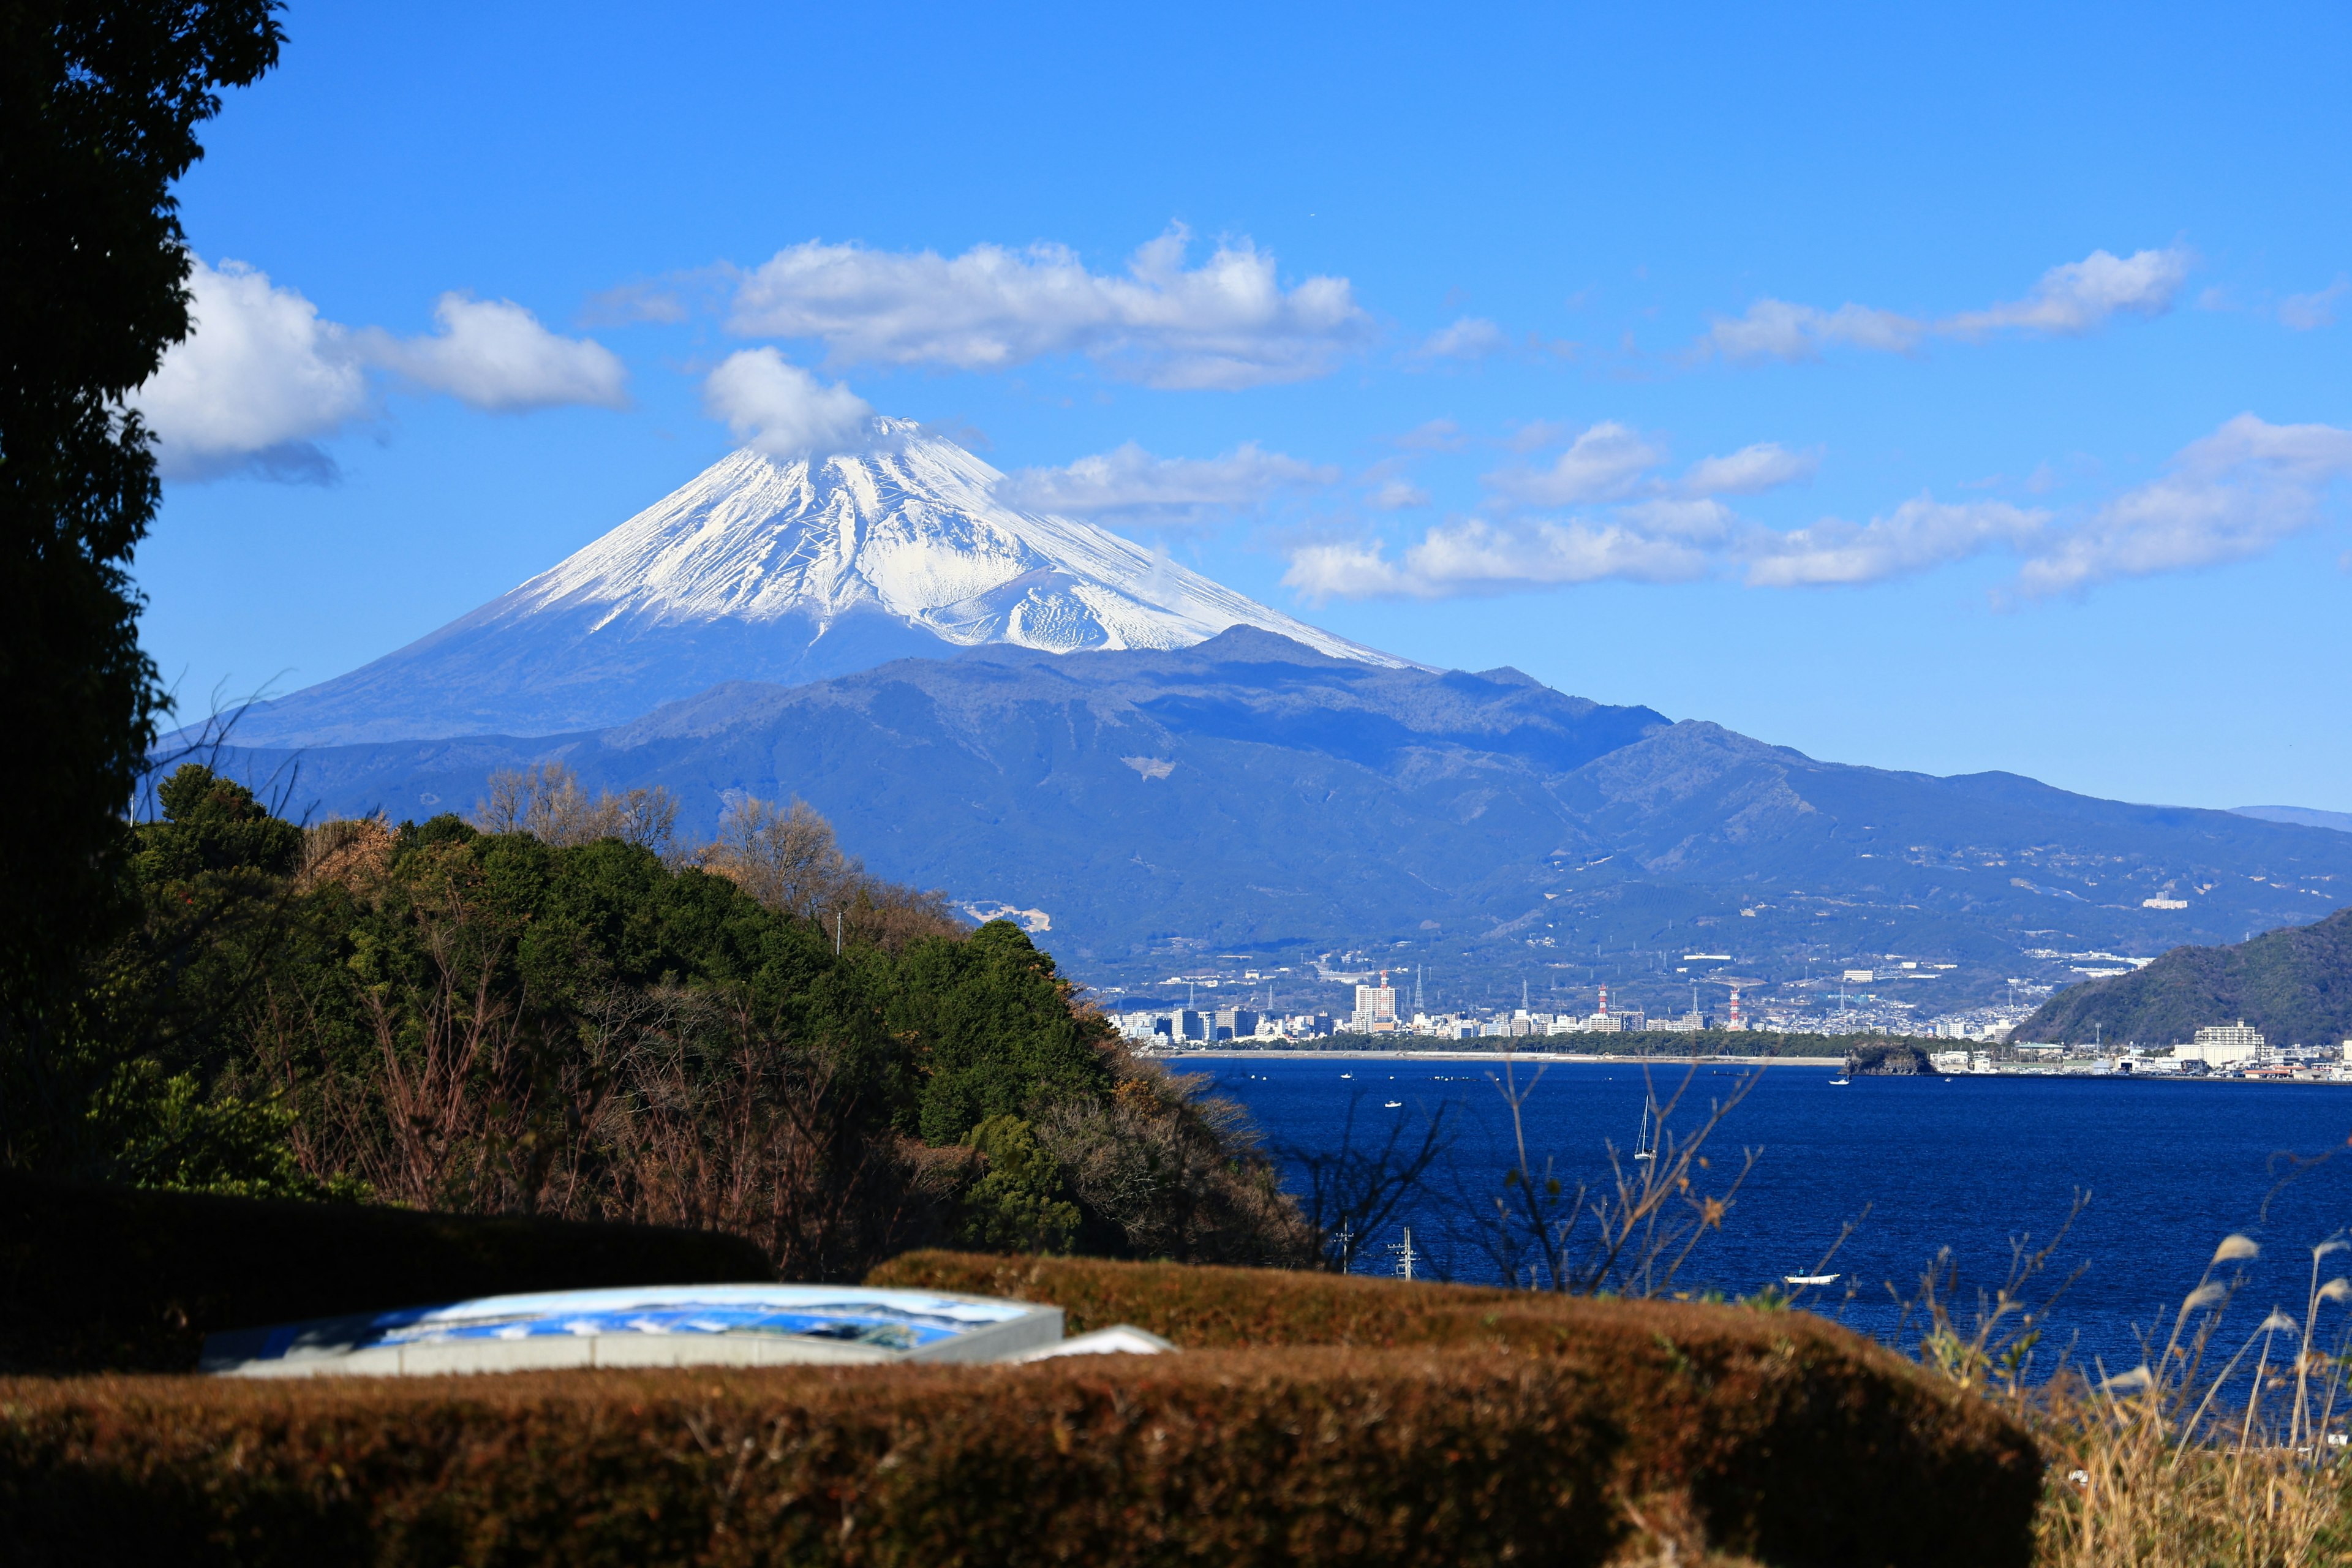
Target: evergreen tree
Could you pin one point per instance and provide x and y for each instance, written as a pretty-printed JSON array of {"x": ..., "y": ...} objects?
[{"x": 100, "y": 104}]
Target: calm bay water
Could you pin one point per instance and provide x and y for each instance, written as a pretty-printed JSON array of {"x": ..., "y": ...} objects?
[{"x": 1966, "y": 1164}]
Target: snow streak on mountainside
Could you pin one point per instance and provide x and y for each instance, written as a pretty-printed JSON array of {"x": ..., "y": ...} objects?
[{"x": 784, "y": 572}]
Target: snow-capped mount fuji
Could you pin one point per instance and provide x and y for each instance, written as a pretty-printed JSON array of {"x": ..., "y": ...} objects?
[{"x": 787, "y": 571}]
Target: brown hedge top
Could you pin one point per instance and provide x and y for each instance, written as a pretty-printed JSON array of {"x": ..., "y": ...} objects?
[
  {"x": 1788, "y": 1436},
  {"x": 1433, "y": 1423},
  {"x": 1307, "y": 1455},
  {"x": 96, "y": 1277}
]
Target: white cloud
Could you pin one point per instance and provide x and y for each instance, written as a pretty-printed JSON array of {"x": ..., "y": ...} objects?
[
  {"x": 1918, "y": 535},
  {"x": 777, "y": 408},
  {"x": 2080, "y": 296},
  {"x": 262, "y": 378},
  {"x": 1131, "y": 488},
  {"x": 1471, "y": 337},
  {"x": 1775, "y": 328},
  {"x": 2229, "y": 497},
  {"x": 493, "y": 354},
  {"x": 1474, "y": 555},
  {"x": 1321, "y": 573},
  {"x": 1765, "y": 466},
  {"x": 1606, "y": 462},
  {"x": 259, "y": 380},
  {"x": 2071, "y": 300},
  {"x": 2309, "y": 312},
  {"x": 1227, "y": 323}
]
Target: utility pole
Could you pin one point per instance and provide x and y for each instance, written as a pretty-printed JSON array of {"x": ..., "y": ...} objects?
[
  {"x": 1406, "y": 1257},
  {"x": 1347, "y": 1245}
]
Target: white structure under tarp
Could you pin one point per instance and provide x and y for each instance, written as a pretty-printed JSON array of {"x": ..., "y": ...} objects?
[{"x": 647, "y": 1326}]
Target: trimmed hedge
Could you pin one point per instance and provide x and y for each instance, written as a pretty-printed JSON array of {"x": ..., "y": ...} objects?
[
  {"x": 1779, "y": 1434},
  {"x": 1311, "y": 1456},
  {"x": 118, "y": 1279}
]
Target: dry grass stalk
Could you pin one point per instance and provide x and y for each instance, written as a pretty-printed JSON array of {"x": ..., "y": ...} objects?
[
  {"x": 1631, "y": 1237},
  {"x": 2193, "y": 1458}
]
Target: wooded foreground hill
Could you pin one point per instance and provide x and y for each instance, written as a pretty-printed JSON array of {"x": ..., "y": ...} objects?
[{"x": 2295, "y": 986}]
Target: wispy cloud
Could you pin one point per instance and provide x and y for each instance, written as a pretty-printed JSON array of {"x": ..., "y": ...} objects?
[
  {"x": 2068, "y": 301},
  {"x": 1775, "y": 328},
  {"x": 1396, "y": 494},
  {"x": 1469, "y": 338},
  {"x": 2083, "y": 296},
  {"x": 1605, "y": 462},
  {"x": 2234, "y": 495},
  {"x": 2309, "y": 312},
  {"x": 1128, "y": 488},
  {"x": 1916, "y": 536},
  {"x": 2228, "y": 496},
  {"x": 1432, "y": 436},
  {"x": 1226, "y": 324},
  {"x": 1765, "y": 466},
  {"x": 262, "y": 378},
  {"x": 1614, "y": 462}
]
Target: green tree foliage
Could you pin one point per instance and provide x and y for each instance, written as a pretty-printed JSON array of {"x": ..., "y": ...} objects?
[
  {"x": 100, "y": 104},
  {"x": 484, "y": 1022},
  {"x": 2295, "y": 984},
  {"x": 1020, "y": 1204}
]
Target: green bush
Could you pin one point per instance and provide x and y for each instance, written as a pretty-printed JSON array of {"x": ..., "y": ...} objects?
[{"x": 1019, "y": 1206}]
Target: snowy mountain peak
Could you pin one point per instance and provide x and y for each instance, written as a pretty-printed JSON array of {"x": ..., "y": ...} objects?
[
  {"x": 910, "y": 528},
  {"x": 758, "y": 569}
]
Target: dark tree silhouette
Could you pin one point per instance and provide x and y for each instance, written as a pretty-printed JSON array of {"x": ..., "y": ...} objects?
[{"x": 100, "y": 104}]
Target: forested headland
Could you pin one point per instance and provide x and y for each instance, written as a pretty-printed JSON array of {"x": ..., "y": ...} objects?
[{"x": 552, "y": 1009}]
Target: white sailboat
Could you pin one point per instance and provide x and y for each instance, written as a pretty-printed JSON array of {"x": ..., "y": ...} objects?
[{"x": 1645, "y": 1147}]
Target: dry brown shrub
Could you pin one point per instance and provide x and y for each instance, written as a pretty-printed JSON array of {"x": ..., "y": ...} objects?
[
  {"x": 789, "y": 858},
  {"x": 547, "y": 801},
  {"x": 1180, "y": 1175},
  {"x": 351, "y": 852}
]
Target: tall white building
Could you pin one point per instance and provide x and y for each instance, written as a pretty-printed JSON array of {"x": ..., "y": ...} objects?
[
  {"x": 2223, "y": 1045},
  {"x": 1375, "y": 1006}
]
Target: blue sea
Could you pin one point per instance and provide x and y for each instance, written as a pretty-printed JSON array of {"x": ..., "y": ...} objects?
[{"x": 1971, "y": 1164}]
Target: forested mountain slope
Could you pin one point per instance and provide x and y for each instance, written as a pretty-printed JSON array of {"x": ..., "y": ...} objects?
[{"x": 2295, "y": 986}]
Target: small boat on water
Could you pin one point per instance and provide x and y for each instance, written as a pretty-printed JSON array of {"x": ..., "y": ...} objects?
[
  {"x": 1645, "y": 1146},
  {"x": 1809, "y": 1279},
  {"x": 1393, "y": 1105},
  {"x": 1840, "y": 1082},
  {"x": 1347, "y": 1075}
]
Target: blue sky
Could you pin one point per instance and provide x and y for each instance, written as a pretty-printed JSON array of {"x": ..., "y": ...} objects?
[{"x": 1938, "y": 393}]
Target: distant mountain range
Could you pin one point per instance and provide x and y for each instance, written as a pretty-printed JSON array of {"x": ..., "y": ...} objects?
[
  {"x": 2295, "y": 986},
  {"x": 756, "y": 570},
  {"x": 2302, "y": 816},
  {"x": 1253, "y": 795},
  {"x": 1039, "y": 715}
]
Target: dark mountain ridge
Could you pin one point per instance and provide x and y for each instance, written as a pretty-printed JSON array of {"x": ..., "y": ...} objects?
[{"x": 1248, "y": 793}]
